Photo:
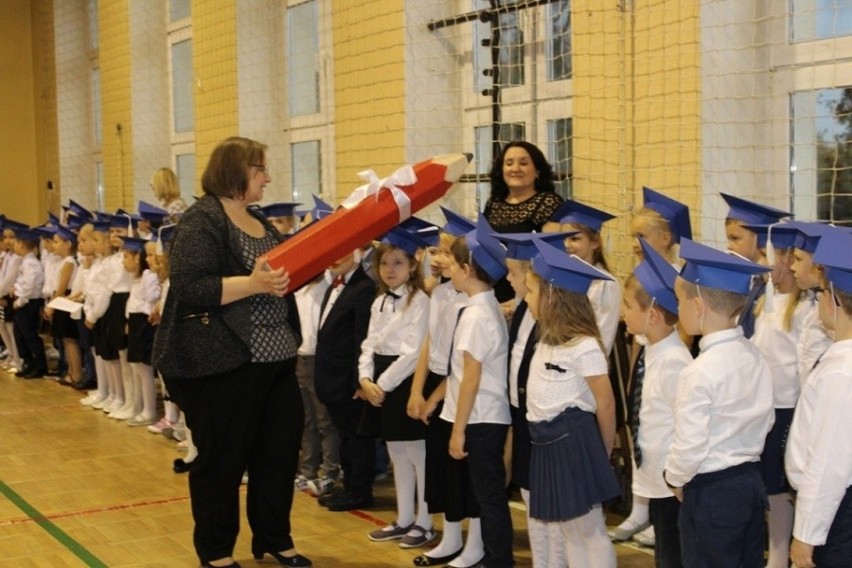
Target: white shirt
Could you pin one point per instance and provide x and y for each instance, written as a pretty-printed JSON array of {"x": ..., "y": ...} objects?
[
  {"x": 308, "y": 302},
  {"x": 96, "y": 291},
  {"x": 552, "y": 390},
  {"x": 819, "y": 457},
  {"x": 445, "y": 303},
  {"x": 11, "y": 264},
  {"x": 605, "y": 297},
  {"x": 75, "y": 269},
  {"x": 29, "y": 281},
  {"x": 335, "y": 292},
  {"x": 520, "y": 345},
  {"x": 664, "y": 362},
  {"x": 778, "y": 347},
  {"x": 724, "y": 408},
  {"x": 482, "y": 333},
  {"x": 119, "y": 279},
  {"x": 50, "y": 262},
  {"x": 813, "y": 341},
  {"x": 144, "y": 294},
  {"x": 397, "y": 327}
]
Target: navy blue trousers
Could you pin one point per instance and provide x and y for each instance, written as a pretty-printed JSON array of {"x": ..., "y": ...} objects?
[{"x": 837, "y": 550}]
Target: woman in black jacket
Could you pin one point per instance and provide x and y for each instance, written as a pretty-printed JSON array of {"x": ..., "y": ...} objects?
[{"x": 226, "y": 347}]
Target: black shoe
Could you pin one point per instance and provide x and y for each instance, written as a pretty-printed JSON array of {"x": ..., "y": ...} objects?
[
  {"x": 296, "y": 561},
  {"x": 32, "y": 374},
  {"x": 426, "y": 560},
  {"x": 23, "y": 370},
  {"x": 85, "y": 384},
  {"x": 335, "y": 493},
  {"x": 180, "y": 466},
  {"x": 349, "y": 502},
  {"x": 231, "y": 565},
  {"x": 55, "y": 373}
]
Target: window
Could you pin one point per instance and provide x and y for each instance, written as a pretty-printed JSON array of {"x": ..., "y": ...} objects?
[
  {"x": 484, "y": 155},
  {"x": 99, "y": 185},
  {"x": 820, "y": 19},
  {"x": 821, "y": 171},
  {"x": 510, "y": 48},
  {"x": 559, "y": 133},
  {"x": 179, "y": 9},
  {"x": 182, "y": 82},
  {"x": 559, "y": 41},
  {"x": 92, "y": 16},
  {"x": 302, "y": 59},
  {"x": 185, "y": 171},
  {"x": 97, "y": 123},
  {"x": 306, "y": 165}
]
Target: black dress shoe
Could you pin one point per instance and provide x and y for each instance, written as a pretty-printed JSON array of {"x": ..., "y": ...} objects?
[
  {"x": 425, "y": 560},
  {"x": 324, "y": 499},
  {"x": 349, "y": 502},
  {"x": 180, "y": 466},
  {"x": 55, "y": 373},
  {"x": 231, "y": 565},
  {"x": 23, "y": 370},
  {"x": 33, "y": 374},
  {"x": 85, "y": 384},
  {"x": 295, "y": 561}
]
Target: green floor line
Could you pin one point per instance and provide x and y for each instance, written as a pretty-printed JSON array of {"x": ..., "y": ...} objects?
[{"x": 75, "y": 547}]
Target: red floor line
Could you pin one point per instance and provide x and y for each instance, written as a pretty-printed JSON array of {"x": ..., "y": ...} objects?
[{"x": 97, "y": 510}]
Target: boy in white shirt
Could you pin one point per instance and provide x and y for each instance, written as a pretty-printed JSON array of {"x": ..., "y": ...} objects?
[
  {"x": 724, "y": 411},
  {"x": 650, "y": 312},
  {"x": 28, "y": 302},
  {"x": 819, "y": 458}
]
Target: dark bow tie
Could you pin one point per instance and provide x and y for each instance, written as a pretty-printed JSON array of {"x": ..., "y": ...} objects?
[{"x": 554, "y": 367}]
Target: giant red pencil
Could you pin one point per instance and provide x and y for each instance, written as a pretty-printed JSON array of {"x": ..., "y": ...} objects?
[{"x": 312, "y": 250}]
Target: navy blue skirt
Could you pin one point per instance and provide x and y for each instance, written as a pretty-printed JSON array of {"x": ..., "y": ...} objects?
[
  {"x": 772, "y": 460},
  {"x": 140, "y": 338},
  {"x": 570, "y": 471}
]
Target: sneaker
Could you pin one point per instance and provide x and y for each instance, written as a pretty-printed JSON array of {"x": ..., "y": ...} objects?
[
  {"x": 626, "y": 530},
  {"x": 158, "y": 426},
  {"x": 645, "y": 537},
  {"x": 390, "y": 532},
  {"x": 301, "y": 482},
  {"x": 320, "y": 486},
  {"x": 417, "y": 536}
]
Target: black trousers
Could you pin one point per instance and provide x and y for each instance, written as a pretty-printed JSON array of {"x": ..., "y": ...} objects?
[
  {"x": 30, "y": 345},
  {"x": 837, "y": 549},
  {"x": 664, "y": 514},
  {"x": 249, "y": 419},
  {"x": 357, "y": 453},
  {"x": 484, "y": 445}
]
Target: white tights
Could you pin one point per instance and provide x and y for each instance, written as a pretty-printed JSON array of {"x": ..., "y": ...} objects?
[{"x": 586, "y": 541}]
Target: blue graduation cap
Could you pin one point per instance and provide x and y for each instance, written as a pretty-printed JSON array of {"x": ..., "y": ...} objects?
[
  {"x": 833, "y": 254},
  {"x": 45, "y": 231},
  {"x": 75, "y": 222},
  {"x": 66, "y": 233},
  {"x": 321, "y": 209},
  {"x": 576, "y": 213},
  {"x": 164, "y": 235},
  {"x": 713, "y": 268},
  {"x": 53, "y": 219},
  {"x": 808, "y": 235},
  {"x": 555, "y": 266},
  {"x": 79, "y": 210},
  {"x": 783, "y": 234},
  {"x": 10, "y": 225},
  {"x": 28, "y": 235},
  {"x": 125, "y": 220},
  {"x": 675, "y": 212},
  {"x": 657, "y": 276},
  {"x": 101, "y": 216},
  {"x": 133, "y": 244},
  {"x": 751, "y": 212},
  {"x": 521, "y": 246},
  {"x": 457, "y": 225},
  {"x": 425, "y": 230},
  {"x": 153, "y": 214},
  {"x": 405, "y": 240},
  {"x": 486, "y": 250},
  {"x": 280, "y": 209},
  {"x": 100, "y": 226}
]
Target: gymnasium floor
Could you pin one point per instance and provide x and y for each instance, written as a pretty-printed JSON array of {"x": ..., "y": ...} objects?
[{"x": 79, "y": 489}]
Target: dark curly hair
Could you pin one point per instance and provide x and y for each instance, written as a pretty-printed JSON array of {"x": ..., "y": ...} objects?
[{"x": 543, "y": 182}]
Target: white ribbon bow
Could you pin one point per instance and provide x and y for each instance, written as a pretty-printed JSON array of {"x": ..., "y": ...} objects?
[{"x": 403, "y": 176}]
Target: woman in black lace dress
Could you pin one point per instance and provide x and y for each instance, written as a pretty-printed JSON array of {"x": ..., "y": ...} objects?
[{"x": 523, "y": 197}]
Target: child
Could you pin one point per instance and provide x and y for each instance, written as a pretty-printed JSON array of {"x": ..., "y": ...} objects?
[
  {"x": 819, "y": 463},
  {"x": 546, "y": 543},
  {"x": 344, "y": 318},
  {"x": 399, "y": 319},
  {"x": 282, "y": 216},
  {"x": 27, "y": 304},
  {"x": 8, "y": 274},
  {"x": 144, "y": 295},
  {"x": 85, "y": 258},
  {"x": 448, "y": 488},
  {"x": 586, "y": 244},
  {"x": 724, "y": 412},
  {"x": 570, "y": 409},
  {"x": 777, "y": 331},
  {"x": 477, "y": 400},
  {"x": 750, "y": 245},
  {"x": 650, "y": 311},
  {"x": 63, "y": 327}
]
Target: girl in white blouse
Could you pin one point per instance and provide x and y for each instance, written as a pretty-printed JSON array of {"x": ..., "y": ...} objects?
[
  {"x": 570, "y": 409},
  {"x": 399, "y": 319}
]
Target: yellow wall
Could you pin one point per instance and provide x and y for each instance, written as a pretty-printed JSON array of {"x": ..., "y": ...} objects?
[
  {"x": 369, "y": 88},
  {"x": 27, "y": 138},
  {"x": 214, "y": 60},
  {"x": 631, "y": 128}
]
